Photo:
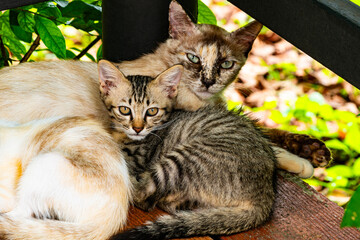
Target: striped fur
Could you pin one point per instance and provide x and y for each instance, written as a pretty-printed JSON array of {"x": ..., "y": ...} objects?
[
  {"x": 61, "y": 179},
  {"x": 138, "y": 94},
  {"x": 211, "y": 160}
]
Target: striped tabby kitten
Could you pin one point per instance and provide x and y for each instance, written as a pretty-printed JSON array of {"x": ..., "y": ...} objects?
[
  {"x": 212, "y": 160},
  {"x": 211, "y": 58},
  {"x": 61, "y": 179}
]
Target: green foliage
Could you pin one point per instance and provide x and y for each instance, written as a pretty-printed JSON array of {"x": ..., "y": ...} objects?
[
  {"x": 51, "y": 36},
  {"x": 205, "y": 15},
  {"x": 21, "y": 27},
  {"x": 280, "y": 71},
  {"x": 352, "y": 212}
]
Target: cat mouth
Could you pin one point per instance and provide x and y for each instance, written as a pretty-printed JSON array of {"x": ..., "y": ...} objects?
[
  {"x": 136, "y": 136},
  {"x": 204, "y": 94}
]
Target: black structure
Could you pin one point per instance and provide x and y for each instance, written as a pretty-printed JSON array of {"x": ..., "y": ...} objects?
[
  {"x": 132, "y": 28},
  {"x": 327, "y": 30},
  {"x": 7, "y": 4}
]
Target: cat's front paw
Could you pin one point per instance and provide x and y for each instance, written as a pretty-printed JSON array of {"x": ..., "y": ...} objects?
[
  {"x": 309, "y": 148},
  {"x": 147, "y": 204}
]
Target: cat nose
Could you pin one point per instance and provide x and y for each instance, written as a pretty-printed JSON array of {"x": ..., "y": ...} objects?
[
  {"x": 138, "y": 129},
  {"x": 207, "y": 82}
]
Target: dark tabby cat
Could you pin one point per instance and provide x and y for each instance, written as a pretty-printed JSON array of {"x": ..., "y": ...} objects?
[{"x": 212, "y": 160}]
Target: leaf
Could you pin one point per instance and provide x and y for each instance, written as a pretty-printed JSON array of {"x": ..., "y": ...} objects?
[
  {"x": 356, "y": 167},
  {"x": 205, "y": 15},
  {"x": 61, "y": 3},
  {"x": 82, "y": 10},
  {"x": 15, "y": 46},
  {"x": 91, "y": 57},
  {"x": 51, "y": 35},
  {"x": 87, "y": 26},
  {"x": 26, "y": 21},
  {"x": 352, "y": 137},
  {"x": 352, "y": 212},
  {"x": 339, "y": 171},
  {"x": 336, "y": 144},
  {"x": 19, "y": 32},
  {"x": 99, "y": 53},
  {"x": 70, "y": 54},
  {"x": 50, "y": 10}
]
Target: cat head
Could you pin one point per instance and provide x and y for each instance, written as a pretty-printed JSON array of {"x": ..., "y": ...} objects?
[
  {"x": 138, "y": 104},
  {"x": 211, "y": 56}
]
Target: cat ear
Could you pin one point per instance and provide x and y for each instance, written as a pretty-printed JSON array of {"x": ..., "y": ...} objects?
[
  {"x": 179, "y": 22},
  {"x": 169, "y": 80},
  {"x": 246, "y": 35},
  {"x": 109, "y": 76}
]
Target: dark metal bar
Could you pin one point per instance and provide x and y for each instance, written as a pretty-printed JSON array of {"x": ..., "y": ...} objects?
[
  {"x": 132, "y": 28},
  {"x": 328, "y": 31},
  {"x": 7, "y": 4}
]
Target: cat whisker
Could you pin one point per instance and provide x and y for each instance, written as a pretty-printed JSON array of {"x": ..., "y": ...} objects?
[
  {"x": 165, "y": 125},
  {"x": 156, "y": 135}
]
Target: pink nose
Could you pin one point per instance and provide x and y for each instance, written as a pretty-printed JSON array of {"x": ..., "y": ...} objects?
[{"x": 138, "y": 129}]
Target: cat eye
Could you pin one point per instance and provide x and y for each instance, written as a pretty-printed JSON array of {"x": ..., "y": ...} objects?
[
  {"x": 193, "y": 58},
  {"x": 124, "y": 110},
  {"x": 227, "y": 64},
  {"x": 152, "y": 112}
]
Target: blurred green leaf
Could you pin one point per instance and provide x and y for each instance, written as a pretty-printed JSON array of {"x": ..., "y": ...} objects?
[
  {"x": 19, "y": 32},
  {"x": 352, "y": 212},
  {"x": 352, "y": 137},
  {"x": 26, "y": 21},
  {"x": 87, "y": 26},
  {"x": 270, "y": 105},
  {"x": 345, "y": 116},
  {"x": 62, "y": 3},
  {"x": 82, "y": 10},
  {"x": 339, "y": 171},
  {"x": 70, "y": 54},
  {"x": 326, "y": 112},
  {"x": 51, "y": 35},
  {"x": 50, "y": 10},
  {"x": 15, "y": 46},
  {"x": 205, "y": 15},
  {"x": 356, "y": 167},
  {"x": 99, "y": 53},
  {"x": 336, "y": 144}
]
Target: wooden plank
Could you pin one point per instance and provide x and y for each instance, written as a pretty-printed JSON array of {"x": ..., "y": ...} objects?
[
  {"x": 7, "y": 4},
  {"x": 138, "y": 217},
  {"x": 299, "y": 213}
]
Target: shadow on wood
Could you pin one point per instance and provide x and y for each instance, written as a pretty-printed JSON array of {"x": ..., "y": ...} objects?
[{"x": 300, "y": 212}]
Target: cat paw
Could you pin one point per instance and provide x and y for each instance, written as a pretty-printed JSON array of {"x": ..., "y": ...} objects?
[
  {"x": 146, "y": 205},
  {"x": 309, "y": 148}
]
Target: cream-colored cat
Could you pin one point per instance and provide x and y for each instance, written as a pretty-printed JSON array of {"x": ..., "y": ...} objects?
[{"x": 61, "y": 178}]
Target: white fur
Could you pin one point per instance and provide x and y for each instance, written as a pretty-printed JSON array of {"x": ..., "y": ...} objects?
[
  {"x": 293, "y": 163},
  {"x": 47, "y": 184}
]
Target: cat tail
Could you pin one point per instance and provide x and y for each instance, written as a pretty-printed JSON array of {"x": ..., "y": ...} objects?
[
  {"x": 21, "y": 228},
  {"x": 201, "y": 222}
]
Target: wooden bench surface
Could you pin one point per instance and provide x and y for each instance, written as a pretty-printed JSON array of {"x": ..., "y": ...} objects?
[{"x": 299, "y": 213}]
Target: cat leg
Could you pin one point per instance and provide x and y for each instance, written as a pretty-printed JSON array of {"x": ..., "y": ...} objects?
[
  {"x": 145, "y": 192},
  {"x": 301, "y": 145},
  {"x": 293, "y": 163}
]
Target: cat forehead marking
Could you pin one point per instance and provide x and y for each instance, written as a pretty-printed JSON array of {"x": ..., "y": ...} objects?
[{"x": 139, "y": 87}]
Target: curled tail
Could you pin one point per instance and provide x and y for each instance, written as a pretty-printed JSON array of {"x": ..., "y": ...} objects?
[
  {"x": 21, "y": 228},
  {"x": 213, "y": 221}
]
